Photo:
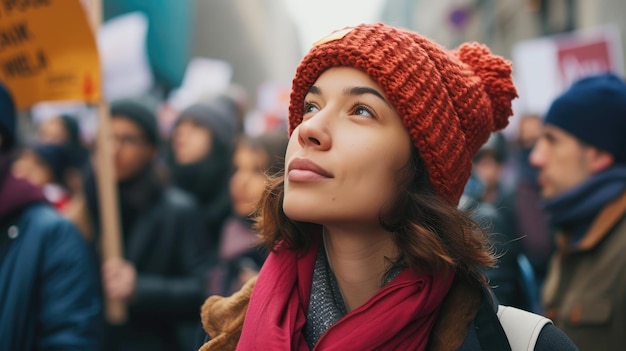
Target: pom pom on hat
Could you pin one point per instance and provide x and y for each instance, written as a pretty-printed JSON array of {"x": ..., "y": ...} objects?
[{"x": 449, "y": 101}]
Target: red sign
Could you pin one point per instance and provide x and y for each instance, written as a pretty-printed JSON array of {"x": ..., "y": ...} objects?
[{"x": 578, "y": 59}]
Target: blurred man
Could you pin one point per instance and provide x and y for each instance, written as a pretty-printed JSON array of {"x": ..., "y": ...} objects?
[
  {"x": 49, "y": 291},
  {"x": 581, "y": 157},
  {"x": 166, "y": 249}
]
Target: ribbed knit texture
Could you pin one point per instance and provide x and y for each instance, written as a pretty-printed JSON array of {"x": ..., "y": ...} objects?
[{"x": 449, "y": 101}]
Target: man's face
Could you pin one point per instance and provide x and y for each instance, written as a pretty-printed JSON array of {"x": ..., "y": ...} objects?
[
  {"x": 488, "y": 169},
  {"x": 131, "y": 150},
  {"x": 562, "y": 160},
  {"x": 530, "y": 129},
  {"x": 52, "y": 131}
]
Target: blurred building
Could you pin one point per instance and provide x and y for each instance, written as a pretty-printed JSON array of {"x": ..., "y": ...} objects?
[
  {"x": 257, "y": 38},
  {"x": 502, "y": 23}
]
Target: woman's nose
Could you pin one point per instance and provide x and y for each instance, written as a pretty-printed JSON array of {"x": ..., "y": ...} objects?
[{"x": 315, "y": 132}]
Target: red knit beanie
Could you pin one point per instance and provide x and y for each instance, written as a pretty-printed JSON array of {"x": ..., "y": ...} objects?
[{"x": 450, "y": 101}]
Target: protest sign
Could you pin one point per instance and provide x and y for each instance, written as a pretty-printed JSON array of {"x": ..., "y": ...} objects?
[
  {"x": 545, "y": 67},
  {"x": 124, "y": 56},
  {"x": 48, "y": 52}
]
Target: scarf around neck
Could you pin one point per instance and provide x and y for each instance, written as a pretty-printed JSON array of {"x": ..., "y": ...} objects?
[
  {"x": 136, "y": 196},
  {"x": 15, "y": 194},
  {"x": 575, "y": 210},
  {"x": 407, "y": 307}
]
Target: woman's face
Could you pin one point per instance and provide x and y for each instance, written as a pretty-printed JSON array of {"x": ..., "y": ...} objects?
[
  {"x": 52, "y": 131},
  {"x": 191, "y": 142},
  {"x": 343, "y": 160},
  {"x": 31, "y": 167},
  {"x": 248, "y": 180}
]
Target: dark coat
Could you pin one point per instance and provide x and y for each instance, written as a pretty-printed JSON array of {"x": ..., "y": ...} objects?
[
  {"x": 240, "y": 251},
  {"x": 171, "y": 252},
  {"x": 499, "y": 221},
  {"x": 49, "y": 288},
  {"x": 536, "y": 239}
]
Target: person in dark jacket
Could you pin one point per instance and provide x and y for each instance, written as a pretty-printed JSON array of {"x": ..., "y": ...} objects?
[
  {"x": 495, "y": 210},
  {"x": 532, "y": 220},
  {"x": 504, "y": 278},
  {"x": 49, "y": 290},
  {"x": 65, "y": 130},
  {"x": 200, "y": 157},
  {"x": 166, "y": 248},
  {"x": 47, "y": 166},
  {"x": 369, "y": 250}
]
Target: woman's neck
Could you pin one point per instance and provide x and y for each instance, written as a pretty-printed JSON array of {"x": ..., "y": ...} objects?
[{"x": 359, "y": 261}]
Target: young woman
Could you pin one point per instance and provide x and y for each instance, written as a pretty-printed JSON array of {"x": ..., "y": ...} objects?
[
  {"x": 47, "y": 166},
  {"x": 368, "y": 248},
  {"x": 57, "y": 169},
  {"x": 240, "y": 255},
  {"x": 200, "y": 158}
]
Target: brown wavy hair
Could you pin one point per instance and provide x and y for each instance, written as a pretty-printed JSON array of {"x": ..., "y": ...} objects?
[{"x": 430, "y": 233}]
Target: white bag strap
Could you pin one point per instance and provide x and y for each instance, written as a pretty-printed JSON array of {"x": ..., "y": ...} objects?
[{"x": 522, "y": 328}]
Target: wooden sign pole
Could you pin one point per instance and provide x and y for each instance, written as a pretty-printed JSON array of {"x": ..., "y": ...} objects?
[{"x": 111, "y": 243}]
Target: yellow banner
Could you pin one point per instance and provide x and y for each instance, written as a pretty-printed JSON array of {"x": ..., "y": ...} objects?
[{"x": 48, "y": 52}]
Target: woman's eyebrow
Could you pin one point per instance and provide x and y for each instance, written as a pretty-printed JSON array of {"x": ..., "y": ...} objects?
[
  {"x": 355, "y": 91},
  {"x": 315, "y": 90}
]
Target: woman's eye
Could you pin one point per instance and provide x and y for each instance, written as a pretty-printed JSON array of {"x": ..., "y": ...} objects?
[
  {"x": 309, "y": 107},
  {"x": 363, "y": 111}
]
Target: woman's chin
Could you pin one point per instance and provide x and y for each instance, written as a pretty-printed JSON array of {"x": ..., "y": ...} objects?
[{"x": 303, "y": 214}]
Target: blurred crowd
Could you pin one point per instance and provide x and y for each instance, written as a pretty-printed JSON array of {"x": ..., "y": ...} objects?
[
  {"x": 504, "y": 196},
  {"x": 186, "y": 201}
]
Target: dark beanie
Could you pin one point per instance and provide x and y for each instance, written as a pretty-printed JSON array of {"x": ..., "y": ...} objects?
[
  {"x": 72, "y": 128},
  {"x": 140, "y": 114},
  {"x": 58, "y": 157},
  {"x": 7, "y": 118},
  {"x": 213, "y": 117},
  {"x": 593, "y": 109}
]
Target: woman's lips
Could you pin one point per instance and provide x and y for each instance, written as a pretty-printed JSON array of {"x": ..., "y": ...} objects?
[{"x": 305, "y": 170}]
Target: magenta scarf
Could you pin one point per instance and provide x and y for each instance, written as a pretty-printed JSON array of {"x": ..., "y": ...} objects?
[{"x": 399, "y": 317}]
